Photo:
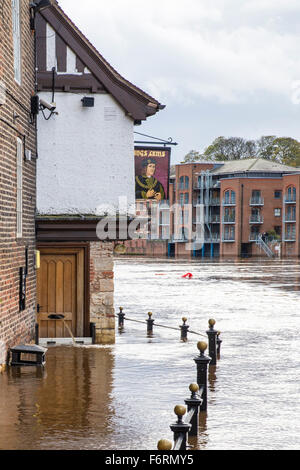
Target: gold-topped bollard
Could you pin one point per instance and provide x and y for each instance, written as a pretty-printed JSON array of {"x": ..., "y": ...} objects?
[
  {"x": 164, "y": 444},
  {"x": 194, "y": 403},
  {"x": 150, "y": 323},
  {"x": 212, "y": 341},
  {"x": 202, "y": 362},
  {"x": 180, "y": 429},
  {"x": 184, "y": 330}
]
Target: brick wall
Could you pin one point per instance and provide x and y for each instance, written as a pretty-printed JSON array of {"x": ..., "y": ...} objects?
[
  {"x": 102, "y": 291},
  {"x": 16, "y": 326}
]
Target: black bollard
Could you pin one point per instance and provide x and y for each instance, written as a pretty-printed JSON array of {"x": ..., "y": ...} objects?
[
  {"x": 184, "y": 330},
  {"x": 180, "y": 428},
  {"x": 93, "y": 332},
  {"x": 212, "y": 342},
  {"x": 121, "y": 316},
  {"x": 202, "y": 362},
  {"x": 150, "y": 323},
  {"x": 194, "y": 402},
  {"x": 219, "y": 343},
  {"x": 37, "y": 334}
]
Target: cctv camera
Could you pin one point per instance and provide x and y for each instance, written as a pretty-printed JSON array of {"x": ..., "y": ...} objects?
[{"x": 50, "y": 106}]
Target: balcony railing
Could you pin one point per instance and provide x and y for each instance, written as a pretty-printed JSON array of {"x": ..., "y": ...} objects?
[
  {"x": 290, "y": 237},
  {"x": 257, "y": 201},
  {"x": 228, "y": 239},
  {"x": 215, "y": 219},
  {"x": 229, "y": 202},
  {"x": 215, "y": 201},
  {"x": 256, "y": 219},
  {"x": 290, "y": 219},
  {"x": 290, "y": 200},
  {"x": 215, "y": 238},
  {"x": 228, "y": 220},
  {"x": 254, "y": 237}
]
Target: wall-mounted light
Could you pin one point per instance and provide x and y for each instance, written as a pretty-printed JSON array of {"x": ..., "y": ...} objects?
[{"x": 88, "y": 102}]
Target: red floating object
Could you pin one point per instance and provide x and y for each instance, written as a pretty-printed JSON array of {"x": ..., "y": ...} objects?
[{"x": 188, "y": 276}]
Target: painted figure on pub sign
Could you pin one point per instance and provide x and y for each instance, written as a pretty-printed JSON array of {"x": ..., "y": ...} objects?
[{"x": 152, "y": 174}]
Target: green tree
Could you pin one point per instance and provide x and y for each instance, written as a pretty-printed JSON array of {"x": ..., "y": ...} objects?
[
  {"x": 285, "y": 150},
  {"x": 232, "y": 148},
  {"x": 192, "y": 156}
]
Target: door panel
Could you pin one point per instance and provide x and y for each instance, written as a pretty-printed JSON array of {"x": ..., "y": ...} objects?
[{"x": 57, "y": 294}]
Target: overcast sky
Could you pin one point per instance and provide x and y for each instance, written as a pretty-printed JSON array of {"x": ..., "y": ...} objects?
[{"x": 222, "y": 67}]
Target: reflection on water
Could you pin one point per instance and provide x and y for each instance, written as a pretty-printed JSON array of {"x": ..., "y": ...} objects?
[{"x": 123, "y": 396}]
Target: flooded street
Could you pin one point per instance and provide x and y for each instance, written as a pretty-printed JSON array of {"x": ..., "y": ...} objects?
[{"x": 122, "y": 397}]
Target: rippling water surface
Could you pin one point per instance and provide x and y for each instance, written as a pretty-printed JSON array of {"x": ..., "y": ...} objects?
[{"x": 123, "y": 396}]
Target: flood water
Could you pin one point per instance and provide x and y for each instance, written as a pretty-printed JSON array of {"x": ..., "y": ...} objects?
[{"x": 122, "y": 397}]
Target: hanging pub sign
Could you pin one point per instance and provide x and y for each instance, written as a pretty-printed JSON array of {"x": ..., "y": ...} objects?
[{"x": 152, "y": 172}]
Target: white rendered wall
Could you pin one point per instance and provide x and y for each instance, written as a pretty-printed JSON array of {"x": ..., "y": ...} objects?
[{"x": 86, "y": 156}]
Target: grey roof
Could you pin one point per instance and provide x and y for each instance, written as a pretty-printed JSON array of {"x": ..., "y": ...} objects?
[{"x": 255, "y": 165}]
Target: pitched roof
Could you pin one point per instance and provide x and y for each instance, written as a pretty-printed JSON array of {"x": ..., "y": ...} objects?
[
  {"x": 255, "y": 165},
  {"x": 137, "y": 103}
]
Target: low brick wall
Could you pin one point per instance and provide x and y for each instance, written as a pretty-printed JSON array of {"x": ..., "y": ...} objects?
[{"x": 102, "y": 291}]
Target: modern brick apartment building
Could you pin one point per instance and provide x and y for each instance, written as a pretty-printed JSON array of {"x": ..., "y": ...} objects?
[
  {"x": 17, "y": 176},
  {"x": 241, "y": 201}
]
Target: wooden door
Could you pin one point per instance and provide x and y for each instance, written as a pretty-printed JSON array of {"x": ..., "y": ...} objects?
[{"x": 60, "y": 291}]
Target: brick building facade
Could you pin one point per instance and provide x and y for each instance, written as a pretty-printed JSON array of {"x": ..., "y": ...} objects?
[{"x": 17, "y": 176}]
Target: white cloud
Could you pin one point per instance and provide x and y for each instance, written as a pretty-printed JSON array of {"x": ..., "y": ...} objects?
[{"x": 183, "y": 51}]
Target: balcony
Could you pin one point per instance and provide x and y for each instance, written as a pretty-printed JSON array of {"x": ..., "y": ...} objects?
[
  {"x": 229, "y": 239},
  {"x": 215, "y": 238},
  {"x": 256, "y": 219},
  {"x": 254, "y": 237},
  {"x": 175, "y": 239},
  {"x": 290, "y": 238},
  {"x": 228, "y": 220},
  {"x": 215, "y": 201},
  {"x": 229, "y": 202},
  {"x": 257, "y": 201},
  {"x": 215, "y": 219},
  {"x": 290, "y": 200},
  {"x": 290, "y": 219}
]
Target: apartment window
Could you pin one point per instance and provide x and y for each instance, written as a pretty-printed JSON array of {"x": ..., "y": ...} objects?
[
  {"x": 19, "y": 188},
  {"x": 181, "y": 199},
  {"x": 229, "y": 233},
  {"x": 277, "y": 212},
  {"x": 181, "y": 183},
  {"x": 290, "y": 233},
  {"x": 187, "y": 182},
  {"x": 291, "y": 214},
  {"x": 277, "y": 194},
  {"x": 16, "y": 38},
  {"x": 291, "y": 194},
  {"x": 186, "y": 198},
  {"x": 229, "y": 197}
]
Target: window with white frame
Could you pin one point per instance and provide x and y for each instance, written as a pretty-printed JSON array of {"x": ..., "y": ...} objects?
[
  {"x": 16, "y": 23},
  {"x": 19, "y": 188}
]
